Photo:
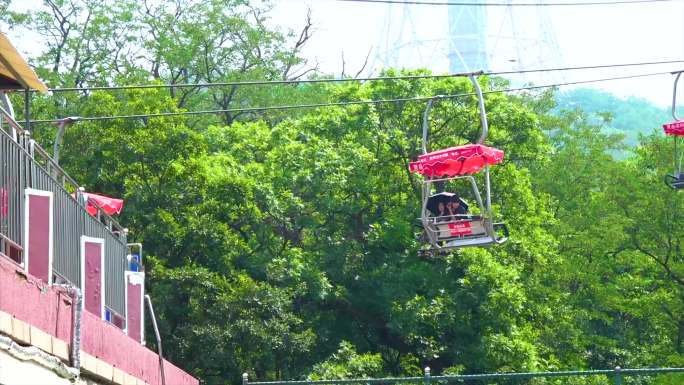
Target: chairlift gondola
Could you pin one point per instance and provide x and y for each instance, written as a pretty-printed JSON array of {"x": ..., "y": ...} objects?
[
  {"x": 676, "y": 130},
  {"x": 459, "y": 163}
]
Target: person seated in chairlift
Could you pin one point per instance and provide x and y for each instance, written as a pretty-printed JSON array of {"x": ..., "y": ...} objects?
[
  {"x": 442, "y": 213},
  {"x": 455, "y": 209},
  {"x": 451, "y": 210}
]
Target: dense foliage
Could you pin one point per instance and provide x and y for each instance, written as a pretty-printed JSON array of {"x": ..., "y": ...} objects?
[
  {"x": 283, "y": 243},
  {"x": 630, "y": 117}
]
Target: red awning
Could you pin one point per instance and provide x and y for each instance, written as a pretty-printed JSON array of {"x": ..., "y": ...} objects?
[
  {"x": 675, "y": 128},
  {"x": 453, "y": 161},
  {"x": 110, "y": 206}
]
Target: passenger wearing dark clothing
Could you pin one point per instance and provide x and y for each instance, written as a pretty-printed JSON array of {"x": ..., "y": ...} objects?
[
  {"x": 442, "y": 212},
  {"x": 454, "y": 207}
]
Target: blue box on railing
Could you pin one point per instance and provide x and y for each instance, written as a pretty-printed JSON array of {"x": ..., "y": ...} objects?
[{"x": 135, "y": 262}]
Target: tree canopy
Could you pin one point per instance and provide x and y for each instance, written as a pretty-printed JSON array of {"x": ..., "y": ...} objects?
[{"x": 285, "y": 243}]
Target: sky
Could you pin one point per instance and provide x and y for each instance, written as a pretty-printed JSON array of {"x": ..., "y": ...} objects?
[{"x": 518, "y": 38}]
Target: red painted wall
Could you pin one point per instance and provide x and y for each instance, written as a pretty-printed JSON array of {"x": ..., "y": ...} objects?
[
  {"x": 133, "y": 310},
  {"x": 39, "y": 236},
  {"x": 49, "y": 308},
  {"x": 93, "y": 278},
  {"x": 32, "y": 301},
  {"x": 108, "y": 343}
]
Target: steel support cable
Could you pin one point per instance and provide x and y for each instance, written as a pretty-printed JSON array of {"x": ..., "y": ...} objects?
[
  {"x": 365, "y": 79},
  {"x": 349, "y": 103}
]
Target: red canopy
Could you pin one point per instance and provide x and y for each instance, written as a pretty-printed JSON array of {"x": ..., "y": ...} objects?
[
  {"x": 110, "y": 206},
  {"x": 675, "y": 128},
  {"x": 453, "y": 161}
]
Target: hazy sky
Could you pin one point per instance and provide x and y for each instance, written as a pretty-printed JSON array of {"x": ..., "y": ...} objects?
[{"x": 585, "y": 35}]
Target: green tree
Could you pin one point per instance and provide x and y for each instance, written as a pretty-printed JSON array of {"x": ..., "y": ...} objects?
[{"x": 284, "y": 243}]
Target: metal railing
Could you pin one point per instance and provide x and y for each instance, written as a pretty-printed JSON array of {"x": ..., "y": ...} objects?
[
  {"x": 615, "y": 376},
  {"x": 24, "y": 164}
]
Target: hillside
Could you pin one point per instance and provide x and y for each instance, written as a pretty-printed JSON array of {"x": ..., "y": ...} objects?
[{"x": 630, "y": 116}]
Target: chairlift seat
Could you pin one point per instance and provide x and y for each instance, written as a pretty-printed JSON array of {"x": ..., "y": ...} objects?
[
  {"x": 676, "y": 181},
  {"x": 464, "y": 232},
  {"x": 460, "y": 228},
  {"x": 676, "y": 128},
  {"x": 460, "y": 162}
]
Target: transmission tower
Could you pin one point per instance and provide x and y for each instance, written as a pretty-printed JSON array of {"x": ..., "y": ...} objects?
[
  {"x": 412, "y": 37},
  {"x": 452, "y": 38},
  {"x": 523, "y": 38},
  {"x": 467, "y": 38}
]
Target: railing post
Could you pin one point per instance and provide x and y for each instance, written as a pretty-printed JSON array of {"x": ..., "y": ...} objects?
[
  {"x": 159, "y": 343},
  {"x": 26, "y": 139},
  {"x": 30, "y": 144},
  {"x": 427, "y": 376},
  {"x": 618, "y": 376},
  {"x": 80, "y": 197},
  {"x": 245, "y": 378}
]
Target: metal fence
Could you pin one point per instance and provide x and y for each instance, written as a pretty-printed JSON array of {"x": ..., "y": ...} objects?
[
  {"x": 11, "y": 198},
  {"x": 617, "y": 376},
  {"x": 24, "y": 164}
]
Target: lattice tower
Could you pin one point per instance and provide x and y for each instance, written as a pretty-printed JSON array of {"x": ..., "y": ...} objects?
[{"x": 468, "y": 38}]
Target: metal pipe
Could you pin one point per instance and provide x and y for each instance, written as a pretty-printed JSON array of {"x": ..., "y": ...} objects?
[
  {"x": 76, "y": 316},
  {"x": 8, "y": 105},
  {"x": 679, "y": 162},
  {"x": 490, "y": 217},
  {"x": 488, "y": 192},
  {"x": 58, "y": 140},
  {"x": 426, "y": 124},
  {"x": 676, "y": 167},
  {"x": 10, "y": 112},
  {"x": 483, "y": 113},
  {"x": 674, "y": 97},
  {"x": 61, "y": 127},
  {"x": 76, "y": 328},
  {"x": 27, "y": 109},
  {"x": 156, "y": 334},
  {"x": 424, "y": 214}
]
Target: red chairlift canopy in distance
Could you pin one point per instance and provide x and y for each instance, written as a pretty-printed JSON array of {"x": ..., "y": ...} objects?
[
  {"x": 454, "y": 161},
  {"x": 675, "y": 128}
]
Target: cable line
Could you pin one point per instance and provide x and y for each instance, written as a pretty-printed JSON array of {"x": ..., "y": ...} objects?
[
  {"x": 508, "y": 4},
  {"x": 347, "y": 103},
  {"x": 340, "y": 80}
]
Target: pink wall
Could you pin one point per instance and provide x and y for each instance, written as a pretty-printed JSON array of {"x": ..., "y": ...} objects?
[
  {"x": 32, "y": 301},
  {"x": 92, "y": 295},
  {"x": 109, "y": 344},
  {"x": 134, "y": 302},
  {"x": 49, "y": 308},
  {"x": 39, "y": 236}
]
